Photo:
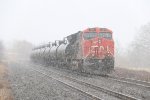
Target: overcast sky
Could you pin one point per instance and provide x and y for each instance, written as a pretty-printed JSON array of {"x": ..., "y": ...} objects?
[{"x": 40, "y": 21}]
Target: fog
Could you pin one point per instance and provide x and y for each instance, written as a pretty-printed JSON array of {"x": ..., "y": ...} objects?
[
  {"x": 19, "y": 50},
  {"x": 47, "y": 20},
  {"x": 41, "y": 21}
]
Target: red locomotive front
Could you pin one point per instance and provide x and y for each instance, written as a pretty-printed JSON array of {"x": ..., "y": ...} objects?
[{"x": 98, "y": 45}]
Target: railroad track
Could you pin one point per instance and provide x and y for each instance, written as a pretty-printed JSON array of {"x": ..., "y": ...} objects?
[
  {"x": 68, "y": 85},
  {"x": 111, "y": 93},
  {"x": 131, "y": 81}
]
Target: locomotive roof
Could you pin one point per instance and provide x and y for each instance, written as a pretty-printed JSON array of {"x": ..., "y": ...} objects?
[{"x": 97, "y": 29}]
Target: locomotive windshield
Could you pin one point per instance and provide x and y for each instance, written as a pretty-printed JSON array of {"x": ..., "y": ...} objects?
[
  {"x": 106, "y": 35},
  {"x": 89, "y": 35}
]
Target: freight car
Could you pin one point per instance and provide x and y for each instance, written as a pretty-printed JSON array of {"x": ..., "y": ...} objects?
[{"x": 90, "y": 51}]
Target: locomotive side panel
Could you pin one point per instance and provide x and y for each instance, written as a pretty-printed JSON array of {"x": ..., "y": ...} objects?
[{"x": 74, "y": 48}]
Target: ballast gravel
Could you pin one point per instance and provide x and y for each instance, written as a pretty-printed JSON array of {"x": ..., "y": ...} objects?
[
  {"x": 30, "y": 85},
  {"x": 128, "y": 89}
]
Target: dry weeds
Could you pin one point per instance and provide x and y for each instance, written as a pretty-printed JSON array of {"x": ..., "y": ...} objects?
[{"x": 5, "y": 89}]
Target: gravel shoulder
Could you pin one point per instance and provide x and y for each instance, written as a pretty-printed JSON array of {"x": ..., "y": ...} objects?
[
  {"x": 130, "y": 73},
  {"x": 138, "y": 92},
  {"x": 30, "y": 85},
  {"x": 5, "y": 89}
]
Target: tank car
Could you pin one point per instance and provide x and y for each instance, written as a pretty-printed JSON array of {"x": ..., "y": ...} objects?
[{"x": 90, "y": 51}]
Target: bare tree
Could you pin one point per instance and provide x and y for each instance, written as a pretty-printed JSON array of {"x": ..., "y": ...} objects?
[{"x": 140, "y": 54}]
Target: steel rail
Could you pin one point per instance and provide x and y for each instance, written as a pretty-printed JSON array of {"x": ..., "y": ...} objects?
[
  {"x": 81, "y": 91},
  {"x": 101, "y": 89},
  {"x": 131, "y": 81}
]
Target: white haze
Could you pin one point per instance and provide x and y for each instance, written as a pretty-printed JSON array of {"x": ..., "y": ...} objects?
[{"x": 47, "y": 20}]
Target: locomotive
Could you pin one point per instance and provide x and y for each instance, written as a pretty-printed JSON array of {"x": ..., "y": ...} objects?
[{"x": 90, "y": 51}]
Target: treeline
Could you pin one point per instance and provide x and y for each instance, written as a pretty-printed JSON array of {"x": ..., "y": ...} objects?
[
  {"x": 19, "y": 50},
  {"x": 137, "y": 55}
]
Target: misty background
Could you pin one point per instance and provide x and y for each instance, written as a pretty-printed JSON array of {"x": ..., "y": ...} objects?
[{"x": 25, "y": 23}]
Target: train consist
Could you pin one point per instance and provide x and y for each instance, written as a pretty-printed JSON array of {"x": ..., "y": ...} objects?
[{"x": 90, "y": 51}]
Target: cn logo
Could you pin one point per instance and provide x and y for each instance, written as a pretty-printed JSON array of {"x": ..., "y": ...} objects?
[{"x": 101, "y": 48}]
